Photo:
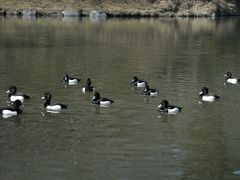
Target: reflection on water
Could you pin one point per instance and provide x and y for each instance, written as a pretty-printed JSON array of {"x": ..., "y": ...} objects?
[{"x": 129, "y": 140}]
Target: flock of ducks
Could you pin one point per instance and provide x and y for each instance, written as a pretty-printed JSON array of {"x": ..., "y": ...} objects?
[
  {"x": 18, "y": 98},
  {"x": 147, "y": 91}
]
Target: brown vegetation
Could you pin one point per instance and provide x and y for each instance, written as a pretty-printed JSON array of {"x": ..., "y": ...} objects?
[{"x": 125, "y": 7}]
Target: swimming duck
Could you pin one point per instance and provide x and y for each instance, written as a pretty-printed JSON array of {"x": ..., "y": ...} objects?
[
  {"x": 88, "y": 87},
  {"x": 231, "y": 79},
  {"x": 52, "y": 107},
  {"x": 138, "y": 83},
  {"x": 13, "y": 95},
  {"x": 206, "y": 96},
  {"x": 70, "y": 80},
  {"x": 165, "y": 107},
  {"x": 149, "y": 92},
  {"x": 102, "y": 101},
  {"x": 12, "y": 111}
]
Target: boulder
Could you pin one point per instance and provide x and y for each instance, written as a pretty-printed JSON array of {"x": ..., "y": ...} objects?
[
  {"x": 97, "y": 15},
  {"x": 70, "y": 13},
  {"x": 2, "y": 12},
  {"x": 29, "y": 12}
]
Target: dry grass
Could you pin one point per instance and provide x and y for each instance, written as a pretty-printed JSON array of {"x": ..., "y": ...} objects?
[
  {"x": 150, "y": 6},
  {"x": 90, "y": 4}
]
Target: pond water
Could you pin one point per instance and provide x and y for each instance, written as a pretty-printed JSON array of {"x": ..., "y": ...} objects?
[{"x": 130, "y": 140}]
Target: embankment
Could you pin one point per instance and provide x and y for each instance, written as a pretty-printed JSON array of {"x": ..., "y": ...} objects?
[{"x": 122, "y": 8}]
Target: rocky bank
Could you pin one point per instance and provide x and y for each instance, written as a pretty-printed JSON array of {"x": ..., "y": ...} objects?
[{"x": 121, "y": 8}]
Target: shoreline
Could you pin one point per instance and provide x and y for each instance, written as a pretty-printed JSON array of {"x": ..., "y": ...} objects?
[{"x": 162, "y": 9}]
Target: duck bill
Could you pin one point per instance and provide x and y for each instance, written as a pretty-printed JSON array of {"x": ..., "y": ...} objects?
[
  {"x": 7, "y": 91},
  {"x": 200, "y": 93},
  {"x": 160, "y": 106},
  {"x": 43, "y": 97},
  {"x": 225, "y": 75}
]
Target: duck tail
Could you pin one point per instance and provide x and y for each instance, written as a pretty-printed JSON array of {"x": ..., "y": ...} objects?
[
  {"x": 26, "y": 96},
  {"x": 64, "y": 105},
  {"x": 216, "y": 96}
]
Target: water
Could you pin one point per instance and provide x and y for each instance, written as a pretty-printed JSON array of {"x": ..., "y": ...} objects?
[{"x": 129, "y": 140}]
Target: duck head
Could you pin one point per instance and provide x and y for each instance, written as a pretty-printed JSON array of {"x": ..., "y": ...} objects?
[
  {"x": 96, "y": 96},
  {"x": 12, "y": 90},
  {"x": 163, "y": 105},
  {"x": 66, "y": 78},
  {"x": 135, "y": 79},
  {"x": 17, "y": 104},
  {"x": 228, "y": 75},
  {"x": 203, "y": 92},
  {"x": 146, "y": 89},
  {"x": 47, "y": 96}
]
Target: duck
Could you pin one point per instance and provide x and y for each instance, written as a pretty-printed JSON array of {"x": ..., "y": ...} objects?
[
  {"x": 13, "y": 95},
  {"x": 88, "y": 87},
  {"x": 12, "y": 111},
  {"x": 70, "y": 80},
  {"x": 102, "y": 101},
  {"x": 52, "y": 107},
  {"x": 166, "y": 108},
  {"x": 138, "y": 83},
  {"x": 231, "y": 79},
  {"x": 206, "y": 96},
  {"x": 149, "y": 92}
]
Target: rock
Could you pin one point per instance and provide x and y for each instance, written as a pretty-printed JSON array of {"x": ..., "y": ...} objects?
[
  {"x": 150, "y": 8},
  {"x": 49, "y": 12},
  {"x": 70, "y": 13},
  {"x": 97, "y": 15},
  {"x": 2, "y": 12},
  {"x": 29, "y": 12},
  {"x": 13, "y": 12},
  {"x": 226, "y": 9}
]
